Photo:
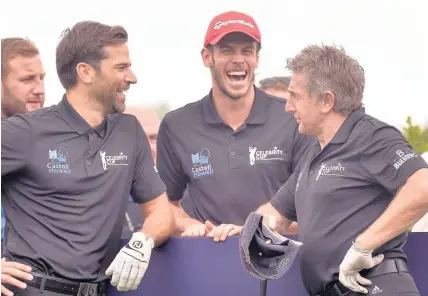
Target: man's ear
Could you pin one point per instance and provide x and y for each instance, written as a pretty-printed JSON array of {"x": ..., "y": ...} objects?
[
  {"x": 206, "y": 56},
  {"x": 85, "y": 72},
  {"x": 328, "y": 100}
]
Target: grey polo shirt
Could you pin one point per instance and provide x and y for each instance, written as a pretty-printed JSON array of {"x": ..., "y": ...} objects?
[
  {"x": 65, "y": 188},
  {"x": 342, "y": 190},
  {"x": 228, "y": 173}
]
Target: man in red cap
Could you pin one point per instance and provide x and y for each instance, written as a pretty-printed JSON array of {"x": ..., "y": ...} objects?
[{"x": 233, "y": 149}]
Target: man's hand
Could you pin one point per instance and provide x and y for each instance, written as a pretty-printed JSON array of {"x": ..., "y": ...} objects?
[
  {"x": 355, "y": 260},
  {"x": 273, "y": 219},
  {"x": 270, "y": 221},
  {"x": 195, "y": 230},
  {"x": 223, "y": 231},
  {"x": 12, "y": 270},
  {"x": 129, "y": 266}
]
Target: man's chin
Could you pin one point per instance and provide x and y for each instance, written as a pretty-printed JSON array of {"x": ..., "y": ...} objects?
[
  {"x": 236, "y": 94},
  {"x": 33, "y": 108},
  {"x": 119, "y": 108}
]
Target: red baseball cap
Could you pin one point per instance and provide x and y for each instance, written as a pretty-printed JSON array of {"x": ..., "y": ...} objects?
[{"x": 229, "y": 22}]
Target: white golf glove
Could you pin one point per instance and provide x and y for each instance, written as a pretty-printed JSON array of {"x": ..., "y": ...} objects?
[
  {"x": 356, "y": 260},
  {"x": 128, "y": 268}
]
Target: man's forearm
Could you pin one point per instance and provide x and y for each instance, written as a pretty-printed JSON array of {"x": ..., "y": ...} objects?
[
  {"x": 410, "y": 204},
  {"x": 183, "y": 220},
  {"x": 159, "y": 225}
]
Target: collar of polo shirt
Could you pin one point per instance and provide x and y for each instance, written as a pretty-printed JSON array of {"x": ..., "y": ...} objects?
[
  {"x": 76, "y": 122},
  {"x": 258, "y": 114},
  {"x": 347, "y": 126}
]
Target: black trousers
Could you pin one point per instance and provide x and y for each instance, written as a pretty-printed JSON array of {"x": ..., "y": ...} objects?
[
  {"x": 32, "y": 291},
  {"x": 394, "y": 284},
  {"x": 43, "y": 285}
]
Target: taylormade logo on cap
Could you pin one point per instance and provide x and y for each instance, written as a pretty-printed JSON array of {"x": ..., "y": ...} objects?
[
  {"x": 230, "y": 22},
  {"x": 220, "y": 24}
]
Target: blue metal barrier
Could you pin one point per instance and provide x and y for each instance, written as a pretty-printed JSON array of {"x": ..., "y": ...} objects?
[{"x": 200, "y": 267}]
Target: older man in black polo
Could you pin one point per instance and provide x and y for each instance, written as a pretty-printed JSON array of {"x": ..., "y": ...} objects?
[{"x": 359, "y": 190}]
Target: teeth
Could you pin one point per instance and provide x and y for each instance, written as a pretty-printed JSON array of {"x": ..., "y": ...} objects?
[{"x": 236, "y": 73}]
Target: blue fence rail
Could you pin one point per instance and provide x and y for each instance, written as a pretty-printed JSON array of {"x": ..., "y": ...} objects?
[{"x": 201, "y": 267}]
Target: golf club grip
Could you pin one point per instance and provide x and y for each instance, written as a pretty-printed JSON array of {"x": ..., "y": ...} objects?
[{"x": 263, "y": 287}]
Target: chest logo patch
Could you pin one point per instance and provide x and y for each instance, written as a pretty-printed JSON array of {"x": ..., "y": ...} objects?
[
  {"x": 58, "y": 162},
  {"x": 113, "y": 160},
  {"x": 331, "y": 170},
  {"x": 257, "y": 155},
  {"x": 201, "y": 164}
]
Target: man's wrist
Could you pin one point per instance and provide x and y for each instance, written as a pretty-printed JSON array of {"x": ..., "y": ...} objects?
[
  {"x": 151, "y": 242},
  {"x": 140, "y": 236},
  {"x": 361, "y": 245},
  {"x": 360, "y": 249}
]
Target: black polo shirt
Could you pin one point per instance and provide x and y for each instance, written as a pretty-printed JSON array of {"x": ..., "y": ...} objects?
[
  {"x": 65, "y": 188},
  {"x": 228, "y": 173},
  {"x": 342, "y": 190}
]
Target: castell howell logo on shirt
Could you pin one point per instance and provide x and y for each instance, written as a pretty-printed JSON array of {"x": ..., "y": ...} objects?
[
  {"x": 58, "y": 162},
  {"x": 257, "y": 155},
  {"x": 201, "y": 165},
  {"x": 113, "y": 160}
]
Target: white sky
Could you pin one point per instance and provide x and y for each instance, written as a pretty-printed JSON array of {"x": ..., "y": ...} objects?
[{"x": 386, "y": 37}]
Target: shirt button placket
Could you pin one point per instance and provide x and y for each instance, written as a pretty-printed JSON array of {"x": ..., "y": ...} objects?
[
  {"x": 90, "y": 139},
  {"x": 234, "y": 152}
]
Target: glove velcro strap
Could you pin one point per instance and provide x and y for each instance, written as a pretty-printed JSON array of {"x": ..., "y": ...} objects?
[
  {"x": 138, "y": 242},
  {"x": 364, "y": 251}
]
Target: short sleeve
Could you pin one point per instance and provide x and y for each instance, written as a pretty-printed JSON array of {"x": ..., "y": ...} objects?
[
  {"x": 283, "y": 201},
  {"x": 146, "y": 184},
  {"x": 15, "y": 144},
  {"x": 389, "y": 159},
  {"x": 301, "y": 146},
  {"x": 169, "y": 165}
]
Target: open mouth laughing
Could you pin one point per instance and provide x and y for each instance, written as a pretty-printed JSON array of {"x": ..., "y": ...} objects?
[{"x": 237, "y": 75}]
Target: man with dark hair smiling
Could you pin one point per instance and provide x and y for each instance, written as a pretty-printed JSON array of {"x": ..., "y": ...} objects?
[
  {"x": 233, "y": 149},
  {"x": 67, "y": 172}
]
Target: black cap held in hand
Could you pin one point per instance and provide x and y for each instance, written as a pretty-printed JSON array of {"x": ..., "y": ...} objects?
[{"x": 265, "y": 254}]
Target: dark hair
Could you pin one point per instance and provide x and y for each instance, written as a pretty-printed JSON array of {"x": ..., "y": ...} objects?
[
  {"x": 233, "y": 36},
  {"x": 13, "y": 47},
  {"x": 85, "y": 43}
]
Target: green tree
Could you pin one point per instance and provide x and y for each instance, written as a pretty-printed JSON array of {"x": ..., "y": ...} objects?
[{"x": 416, "y": 136}]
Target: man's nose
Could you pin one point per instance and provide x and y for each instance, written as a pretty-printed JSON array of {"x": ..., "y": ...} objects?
[
  {"x": 289, "y": 107},
  {"x": 39, "y": 89},
  {"x": 131, "y": 78},
  {"x": 238, "y": 58}
]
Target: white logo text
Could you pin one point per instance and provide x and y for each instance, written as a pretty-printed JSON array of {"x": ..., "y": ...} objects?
[
  {"x": 402, "y": 158},
  {"x": 220, "y": 24}
]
